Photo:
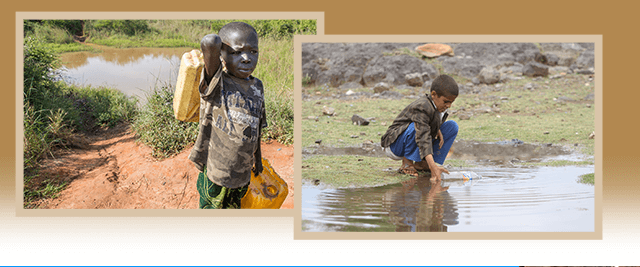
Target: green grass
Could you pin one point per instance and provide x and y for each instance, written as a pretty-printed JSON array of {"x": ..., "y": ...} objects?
[
  {"x": 275, "y": 70},
  {"x": 346, "y": 171},
  {"x": 337, "y": 130},
  {"x": 35, "y": 190},
  {"x": 530, "y": 116},
  {"x": 588, "y": 179}
]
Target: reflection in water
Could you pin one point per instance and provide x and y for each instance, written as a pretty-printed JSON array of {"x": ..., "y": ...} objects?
[
  {"x": 504, "y": 200},
  {"x": 420, "y": 206},
  {"x": 133, "y": 71}
]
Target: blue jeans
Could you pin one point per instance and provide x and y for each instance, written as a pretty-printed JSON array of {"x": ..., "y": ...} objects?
[{"x": 405, "y": 145}]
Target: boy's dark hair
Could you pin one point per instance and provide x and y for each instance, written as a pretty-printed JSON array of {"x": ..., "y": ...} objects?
[
  {"x": 445, "y": 86},
  {"x": 235, "y": 27}
]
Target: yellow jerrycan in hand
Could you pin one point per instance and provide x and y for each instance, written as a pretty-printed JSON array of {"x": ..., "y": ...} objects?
[
  {"x": 266, "y": 191},
  {"x": 186, "y": 99}
]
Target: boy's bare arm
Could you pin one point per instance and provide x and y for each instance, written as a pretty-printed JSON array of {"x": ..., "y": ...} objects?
[{"x": 211, "y": 45}]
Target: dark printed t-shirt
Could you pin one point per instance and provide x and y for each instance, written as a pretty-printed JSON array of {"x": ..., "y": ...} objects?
[{"x": 232, "y": 111}]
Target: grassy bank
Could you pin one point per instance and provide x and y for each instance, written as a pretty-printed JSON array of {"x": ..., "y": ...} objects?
[{"x": 54, "y": 113}]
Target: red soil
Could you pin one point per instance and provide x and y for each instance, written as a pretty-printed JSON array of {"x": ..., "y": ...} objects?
[{"x": 112, "y": 171}]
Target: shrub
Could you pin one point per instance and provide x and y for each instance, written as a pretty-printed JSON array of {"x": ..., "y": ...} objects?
[
  {"x": 273, "y": 28},
  {"x": 156, "y": 126},
  {"x": 127, "y": 27}
]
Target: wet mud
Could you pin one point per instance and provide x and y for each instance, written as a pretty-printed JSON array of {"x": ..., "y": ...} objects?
[{"x": 499, "y": 152}]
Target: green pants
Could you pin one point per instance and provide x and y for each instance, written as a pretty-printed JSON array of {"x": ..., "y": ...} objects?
[{"x": 213, "y": 196}]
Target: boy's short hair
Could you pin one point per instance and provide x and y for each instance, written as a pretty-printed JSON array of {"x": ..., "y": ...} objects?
[
  {"x": 235, "y": 27},
  {"x": 444, "y": 85}
]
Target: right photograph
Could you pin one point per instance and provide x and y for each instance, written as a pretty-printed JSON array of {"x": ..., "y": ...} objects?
[{"x": 449, "y": 136}]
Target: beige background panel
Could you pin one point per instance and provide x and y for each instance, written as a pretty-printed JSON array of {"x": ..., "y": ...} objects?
[{"x": 164, "y": 240}]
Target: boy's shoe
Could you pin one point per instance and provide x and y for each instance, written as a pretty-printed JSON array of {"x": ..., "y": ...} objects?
[{"x": 408, "y": 169}]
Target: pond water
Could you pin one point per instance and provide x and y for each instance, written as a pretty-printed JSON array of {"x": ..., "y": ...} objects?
[
  {"x": 133, "y": 71},
  {"x": 518, "y": 199}
]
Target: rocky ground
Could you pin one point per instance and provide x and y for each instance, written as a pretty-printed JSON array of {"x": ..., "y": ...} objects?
[
  {"x": 110, "y": 170},
  {"x": 355, "y": 65}
]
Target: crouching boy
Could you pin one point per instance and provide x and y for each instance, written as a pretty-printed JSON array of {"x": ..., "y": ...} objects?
[{"x": 413, "y": 134}]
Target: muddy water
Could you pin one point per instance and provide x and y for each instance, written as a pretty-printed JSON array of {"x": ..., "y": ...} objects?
[
  {"x": 545, "y": 199},
  {"x": 133, "y": 71}
]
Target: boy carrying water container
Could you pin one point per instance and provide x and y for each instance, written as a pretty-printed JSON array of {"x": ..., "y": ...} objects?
[
  {"x": 411, "y": 137},
  {"x": 232, "y": 115}
]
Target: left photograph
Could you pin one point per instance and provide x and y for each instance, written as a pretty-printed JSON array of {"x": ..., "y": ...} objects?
[{"x": 159, "y": 114}]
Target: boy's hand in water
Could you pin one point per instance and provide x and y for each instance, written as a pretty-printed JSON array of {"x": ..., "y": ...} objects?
[{"x": 436, "y": 173}]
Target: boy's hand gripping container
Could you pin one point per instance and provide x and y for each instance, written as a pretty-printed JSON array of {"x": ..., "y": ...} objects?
[
  {"x": 186, "y": 100},
  {"x": 266, "y": 191}
]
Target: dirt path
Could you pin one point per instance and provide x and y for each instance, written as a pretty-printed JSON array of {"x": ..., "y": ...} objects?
[{"x": 112, "y": 171}]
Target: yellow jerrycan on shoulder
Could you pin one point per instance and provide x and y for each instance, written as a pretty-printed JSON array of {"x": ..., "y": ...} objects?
[
  {"x": 266, "y": 191},
  {"x": 186, "y": 99}
]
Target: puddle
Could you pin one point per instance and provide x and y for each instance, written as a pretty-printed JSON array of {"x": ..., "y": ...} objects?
[
  {"x": 543, "y": 199},
  {"x": 133, "y": 71}
]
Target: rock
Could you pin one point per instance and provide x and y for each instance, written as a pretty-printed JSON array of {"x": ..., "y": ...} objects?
[
  {"x": 592, "y": 135},
  {"x": 546, "y": 132},
  {"x": 483, "y": 110},
  {"x": 381, "y": 87},
  {"x": 358, "y": 120},
  {"x": 414, "y": 79},
  {"x": 586, "y": 59},
  {"x": 535, "y": 69},
  {"x": 427, "y": 85},
  {"x": 467, "y": 68},
  {"x": 392, "y": 69},
  {"x": 475, "y": 80},
  {"x": 391, "y": 95},
  {"x": 552, "y": 59},
  {"x": 565, "y": 99},
  {"x": 559, "y": 70},
  {"x": 431, "y": 71},
  {"x": 585, "y": 71},
  {"x": 464, "y": 116},
  {"x": 349, "y": 92},
  {"x": 565, "y": 61},
  {"x": 489, "y": 76},
  {"x": 318, "y": 141},
  {"x": 434, "y": 50},
  {"x": 329, "y": 111},
  {"x": 354, "y": 136},
  {"x": 528, "y": 86},
  {"x": 590, "y": 96},
  {"x": 351, "y": 85},
  {"x": 506, "y": 57}
]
